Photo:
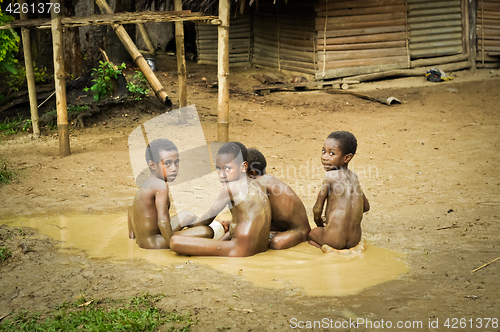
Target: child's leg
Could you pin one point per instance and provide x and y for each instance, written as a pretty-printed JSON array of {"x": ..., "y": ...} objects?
[
  {"x": 185, "y": 218},
  {"x": 131, "y": 234},
  {"x": 193, "y": 246},
  {"x": 155, "y": 241},
  {"x": 198, "y": 231},
  {"x": 316, "y": 237},
  {"x": 284, "y": 240}
]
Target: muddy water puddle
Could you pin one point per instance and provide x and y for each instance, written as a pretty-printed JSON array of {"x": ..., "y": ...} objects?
[{"x": 301, "y": 267}]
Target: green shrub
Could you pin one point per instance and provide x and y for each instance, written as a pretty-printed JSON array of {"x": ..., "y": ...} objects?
[
  {"x": 18, "y": 79},
  {"x": 103, "y": 79},
  {"x": 9, "y": 45},
  {"x": 10, "y": 127},
  {"x": 139, "y": 88}
]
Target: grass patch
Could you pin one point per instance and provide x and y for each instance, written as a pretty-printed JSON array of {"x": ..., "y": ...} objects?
[
  {"x": 6, "y": 175},
  {"x": 10, "y": 127},
  {"x": 137, "y": 314},
  {"x": 4, "y": 253},
  {"x": 77, "y": 108}
]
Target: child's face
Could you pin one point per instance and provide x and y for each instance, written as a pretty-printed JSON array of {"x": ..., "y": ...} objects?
[
  {"x": 332, "y": 156},
  {"x": 229, "y": 168},
  {"x": 168, "y": 167}
]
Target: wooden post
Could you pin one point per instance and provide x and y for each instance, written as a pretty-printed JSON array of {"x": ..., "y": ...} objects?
[
  {"x": 472, "y": 12},
  {"x": 181, "y": 62},
  {"x": 60, "y": 83},
  {"x": 145, "y": 37},
  {"x": 223, "y": 72},
  {"x": 30, "y": 76},
  {"x": 137, "y": 57}
]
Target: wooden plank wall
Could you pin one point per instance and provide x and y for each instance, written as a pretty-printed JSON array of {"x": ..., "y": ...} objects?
[
  {"x": 488, "y": 34},
  {"x": 239, "y": 41},
  {"x": 436, "y": 28},
  {"x": 284, "y": 35},
  {"x": 360, "y": 37}
]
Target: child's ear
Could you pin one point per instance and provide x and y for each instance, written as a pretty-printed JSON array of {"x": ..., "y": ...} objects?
[
  {"x": 244, "y": 167},
  {"x": 152, "y": 165},
  {"x": 348, "y": 157}
]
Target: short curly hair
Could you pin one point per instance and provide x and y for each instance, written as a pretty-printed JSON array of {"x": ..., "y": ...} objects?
[
  {"x": 257, "y": 162},
  {"x": 348, "y": 143},
  {"x": 154, "y": 148},
  {"x": 234, "y": 148}
]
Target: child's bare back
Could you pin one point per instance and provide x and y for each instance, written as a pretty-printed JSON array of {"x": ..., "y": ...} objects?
[
  {"x": 340, "y": 228},
  {"x": 289, "y": 223},
  {"x": 149, "y": 210},
  {"x": 344, "y": 209},
  {"x": 149, "y": 220}
]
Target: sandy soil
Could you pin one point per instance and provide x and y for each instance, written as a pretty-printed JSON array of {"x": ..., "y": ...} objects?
[{"x": 428, "y": 166}]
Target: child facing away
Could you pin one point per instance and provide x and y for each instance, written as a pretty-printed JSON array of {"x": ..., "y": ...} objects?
[
  {"x": 340, "y": 228},
  {"x": 250, "y": 209},
  {"x": 289, "y": 223},
  {"x": 149, "y": 220}
]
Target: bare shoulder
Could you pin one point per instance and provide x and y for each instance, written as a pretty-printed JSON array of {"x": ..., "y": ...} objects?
[
  {"x": 154, "y": 183},
  {"x": 334, "y": 176}
]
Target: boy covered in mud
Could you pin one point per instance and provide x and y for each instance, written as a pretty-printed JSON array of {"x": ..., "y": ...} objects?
[
  {"x": 149, "y": 221},
  {"x": 289, "y": 223},
  {"x": 250, "y": 209},
  {"x": 340, "y": 228}
]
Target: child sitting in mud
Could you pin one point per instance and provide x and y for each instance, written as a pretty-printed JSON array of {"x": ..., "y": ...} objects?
[
  {"x": 340, "y": 228},
  {"x": 149, "y": 221},
  {"x": 289, "y": 223},
  {"x": 251, "y": 212}
]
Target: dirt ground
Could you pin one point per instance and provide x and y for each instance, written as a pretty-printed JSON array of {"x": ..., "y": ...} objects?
[{"x": 429, "y": 168}]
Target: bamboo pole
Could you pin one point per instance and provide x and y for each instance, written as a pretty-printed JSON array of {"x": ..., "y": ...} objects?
[
  {"x": 60, "y": 83},
  {"x": 181, "y": 63},
  {"x": 137, "y": 57},
  {"x": 30, "y": 76},
  {"x": 223, "y": 72},
  {"x": 145, "y": 37}
]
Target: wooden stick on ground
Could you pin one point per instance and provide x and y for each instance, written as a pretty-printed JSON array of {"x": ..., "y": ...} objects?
[
  {"x": 485, "y": 264},
  {"x": 4, "y": 315}
]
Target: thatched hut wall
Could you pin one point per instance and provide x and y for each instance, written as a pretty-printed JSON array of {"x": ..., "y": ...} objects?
[{"x": 488, "y": 34}]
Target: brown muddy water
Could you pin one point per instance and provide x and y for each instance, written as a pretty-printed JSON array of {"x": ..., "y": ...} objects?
[{"x": 301, "y": 267}]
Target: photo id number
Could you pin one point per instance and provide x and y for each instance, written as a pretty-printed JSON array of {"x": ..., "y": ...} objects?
[
  {"x": 462, "y": 323},
  {"x": 39, "y": 8}
]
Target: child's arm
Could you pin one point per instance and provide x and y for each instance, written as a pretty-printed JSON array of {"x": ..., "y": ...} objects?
[
  {"x": 209, "y": 216},
  {"x": 162, "y": 204},
  {"x": 366, "y": 204},
  {"x": 320, "y": 202}
]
